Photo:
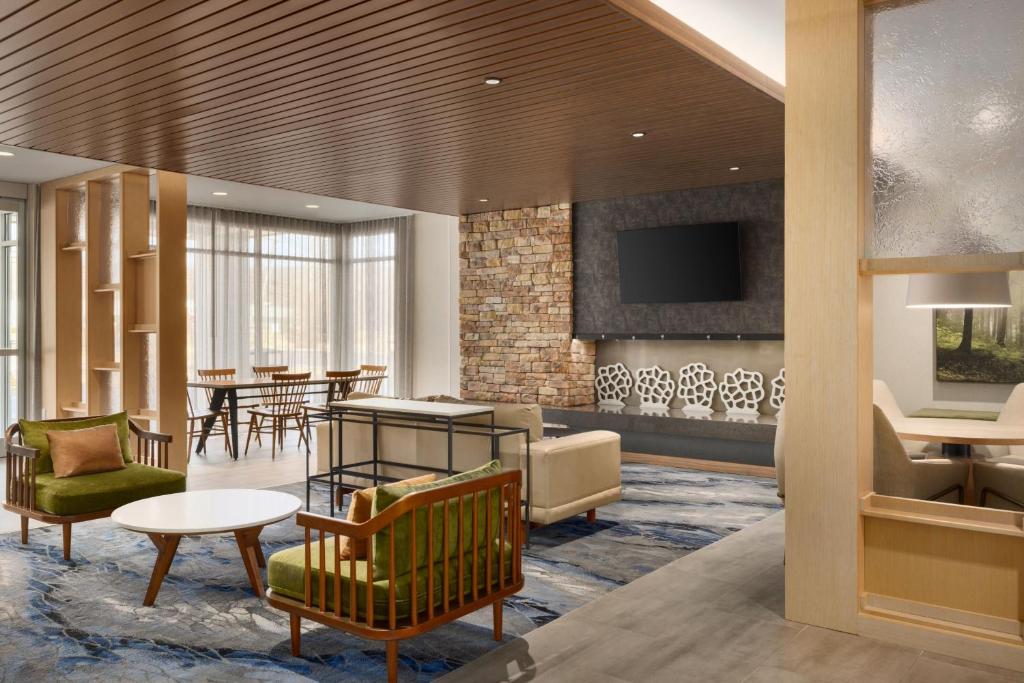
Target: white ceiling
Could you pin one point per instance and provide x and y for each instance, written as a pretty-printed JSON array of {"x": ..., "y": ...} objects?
[
  {"x": 32, "y": 166},
  {"x": 753, "y": 30}
]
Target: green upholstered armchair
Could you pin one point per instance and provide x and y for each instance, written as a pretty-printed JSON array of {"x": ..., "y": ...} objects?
[
  {"x": 436, "y": 552},
  {"x": 33, "y": 492}
]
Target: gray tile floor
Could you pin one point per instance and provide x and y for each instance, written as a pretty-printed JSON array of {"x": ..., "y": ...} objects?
[{"x": 714, "y": 615}]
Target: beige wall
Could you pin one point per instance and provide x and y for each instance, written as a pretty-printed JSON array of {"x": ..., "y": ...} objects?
[
  {"x": 435, "y": 301},
  {"x": 905, "y": 356},
  {"x": 719, "y": 356}
]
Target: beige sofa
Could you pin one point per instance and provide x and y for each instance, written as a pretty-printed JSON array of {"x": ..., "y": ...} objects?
[{"x": 571, "y": 475}]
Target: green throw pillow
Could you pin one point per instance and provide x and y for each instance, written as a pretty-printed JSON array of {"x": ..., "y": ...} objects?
[
  {"x": 33, "y": 435},
  {"x": 386, "y": 496}
]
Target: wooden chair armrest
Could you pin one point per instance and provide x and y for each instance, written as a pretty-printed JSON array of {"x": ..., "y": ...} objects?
[
  {"x": 19, "y": 451},
  {"x": 21, "y": 476},
  {"x": 332, "y": 525},
  {"x": 148, "y": 435}
]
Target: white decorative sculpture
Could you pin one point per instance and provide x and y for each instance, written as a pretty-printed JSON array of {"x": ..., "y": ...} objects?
[
  {"x": 655, "y": 387},
  {"x": 778, "y": 394},
  {"x": 696, "y": 387},
  {"x": 614, "y": 384},
  {"x": 741, "y": 391}
]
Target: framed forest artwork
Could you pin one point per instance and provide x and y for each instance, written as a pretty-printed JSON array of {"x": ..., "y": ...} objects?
[{"x": 982, "y": 344}]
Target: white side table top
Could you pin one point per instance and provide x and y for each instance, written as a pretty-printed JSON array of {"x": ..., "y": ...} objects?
[
  {"x": 430, "y": 408},
  {"x": 206, "y": 512}
]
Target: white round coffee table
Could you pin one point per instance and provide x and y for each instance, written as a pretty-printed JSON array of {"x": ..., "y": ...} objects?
[{"x": 165, "y": 519}]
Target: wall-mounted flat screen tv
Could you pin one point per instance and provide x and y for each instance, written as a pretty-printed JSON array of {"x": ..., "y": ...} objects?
[{"x": 679, "y": 264}]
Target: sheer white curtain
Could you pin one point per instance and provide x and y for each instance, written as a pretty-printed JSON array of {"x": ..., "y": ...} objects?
[{"x": 315, "y": 296}]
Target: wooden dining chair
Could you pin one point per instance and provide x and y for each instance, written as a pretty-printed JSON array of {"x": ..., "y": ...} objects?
[
  {"x": 215, "y": 375},
  {"x": 338, "y": 389},
  {"x": 371, "y": 377},
  {"x": 283, "y": 410},
  {"x": 195, "y": 426}
]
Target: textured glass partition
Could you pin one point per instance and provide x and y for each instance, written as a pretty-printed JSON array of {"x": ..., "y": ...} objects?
[{"x": 946, "y": 92}]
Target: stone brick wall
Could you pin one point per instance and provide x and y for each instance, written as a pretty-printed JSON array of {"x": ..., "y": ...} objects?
[{"x": 516, "y": 309}]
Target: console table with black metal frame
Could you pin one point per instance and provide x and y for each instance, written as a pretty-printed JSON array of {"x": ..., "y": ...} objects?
[{"x": 415, "y": 415}]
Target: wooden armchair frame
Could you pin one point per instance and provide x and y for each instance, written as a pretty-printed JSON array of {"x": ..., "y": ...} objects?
[
  {"x": 422, "y": 618},
  {"x": 151, "y": 449}
]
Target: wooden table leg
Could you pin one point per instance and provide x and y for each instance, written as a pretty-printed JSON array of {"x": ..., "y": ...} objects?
[
  {"x": 166, "y": 546},
  {"x": 252, "y": 556}
]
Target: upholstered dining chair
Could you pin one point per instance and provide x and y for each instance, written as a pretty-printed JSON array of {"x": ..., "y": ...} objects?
[
  {"x": 371, "y": 377},
  {"x": 337, "y": 390},
  {"x": 1000, "y": 482},
  {"x": 884, "y": 399},
  {"x": 1013, "y": 414},
  {"x": 282, "y": 408},
  {"x": 896, "y": 474},
  {"x": 780, "y": 453}
]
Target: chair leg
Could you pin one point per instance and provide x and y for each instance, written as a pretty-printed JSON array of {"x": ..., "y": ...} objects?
[
  {"x": 273, "y": 439},
  {"x": 498, "y": 609},
  {"x": 296, "y": 624},
  {"x": 392, "y": 652},
  {"x": 248, "y": 437},
  {"x": 24, "y": 530},
  {"x": 259, "y": 429},
  {"x": 224, "y": 426},
  {"x": 188, "y": 448},
  {"x": 303, "y": 439},
  {"x": 592, "y": 515},
  {"x": 67, "y": 540}
]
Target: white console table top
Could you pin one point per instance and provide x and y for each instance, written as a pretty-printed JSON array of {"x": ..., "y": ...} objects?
[{"x": 399, "y": 405}]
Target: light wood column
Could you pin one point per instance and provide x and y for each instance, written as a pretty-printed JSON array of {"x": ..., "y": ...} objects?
[
  {"x": 172, "y": 317},
  {"x": 828, "y": 311}
]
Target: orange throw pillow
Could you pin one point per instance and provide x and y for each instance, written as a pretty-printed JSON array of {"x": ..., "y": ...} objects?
[
  {"x": 359, "y": 511},
  {"x": 85, "y": 451}
]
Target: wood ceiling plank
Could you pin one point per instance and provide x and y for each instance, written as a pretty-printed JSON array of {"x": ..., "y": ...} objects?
[{"x": 26, "y": 16}]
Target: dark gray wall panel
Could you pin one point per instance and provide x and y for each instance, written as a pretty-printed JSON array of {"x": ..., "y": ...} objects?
[{"x": 758, "y": 207}]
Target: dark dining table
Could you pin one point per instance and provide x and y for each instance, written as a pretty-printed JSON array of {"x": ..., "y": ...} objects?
[{"x": 227, "y": 391}]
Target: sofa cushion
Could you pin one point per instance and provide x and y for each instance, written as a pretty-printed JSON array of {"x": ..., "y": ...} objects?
[
  {"x": 285, "y": 574},
  {"x": 85, "y": 451},
  {"x": 106, "y": 490},
  {"x": 33, "y": 435},
  {"x": 388, "y": 495},
  {"x": 360, "y": 509}
]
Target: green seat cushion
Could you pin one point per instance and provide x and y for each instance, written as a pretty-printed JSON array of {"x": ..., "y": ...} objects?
[
  {"x": 104, "y": 490},
  {"x": 285, "y": 574},
  {"x": 33, "y": 435},
  {"x": 386, "y": 496}
]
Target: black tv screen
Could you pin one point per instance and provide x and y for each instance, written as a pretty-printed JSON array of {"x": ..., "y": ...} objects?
[{"x": 683, "y": 263}]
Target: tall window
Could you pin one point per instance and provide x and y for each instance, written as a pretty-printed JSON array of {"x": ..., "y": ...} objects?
[
  {"x": 315, "y": 296},
  {"x": 10, "y": 214}
]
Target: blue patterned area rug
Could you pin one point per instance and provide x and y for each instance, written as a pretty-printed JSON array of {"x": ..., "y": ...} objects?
[{"x": 83, "y": 619}]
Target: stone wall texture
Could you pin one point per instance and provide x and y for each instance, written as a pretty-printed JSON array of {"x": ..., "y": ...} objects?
[{"x": 516, "y": 308}]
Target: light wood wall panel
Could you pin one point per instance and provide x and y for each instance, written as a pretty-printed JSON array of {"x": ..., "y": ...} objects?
[
  {"x": 172, "y": 320},
  {"x": 828, "y": 314}
]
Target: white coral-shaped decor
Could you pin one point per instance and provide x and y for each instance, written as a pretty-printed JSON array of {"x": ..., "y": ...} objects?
[
  {"x": 614, "y": 384},
  {"x": 741, "y": 391},
  {"x": 655, "y": 387},
  {"x": 778, "y": 394},
  {"x": 696, "y": 387}
]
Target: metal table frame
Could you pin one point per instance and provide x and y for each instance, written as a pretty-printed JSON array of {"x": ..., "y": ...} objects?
[{"x": 378, "y": 417}]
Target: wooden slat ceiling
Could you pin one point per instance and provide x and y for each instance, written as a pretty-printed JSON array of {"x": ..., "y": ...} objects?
[{"x": 383, "y": 101}]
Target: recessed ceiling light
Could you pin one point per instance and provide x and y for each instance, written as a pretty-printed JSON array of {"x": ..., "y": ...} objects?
[
  {"x": 638, "y": 134},
  {"x": 312, "y": 206},
  {"x": 734, "y": 168},
  {"x": 6, "y": 154},
  {"x": 220, "y": 194},
  {"x": 492, "y": 80},
  {"x": 483, "y": 199}
]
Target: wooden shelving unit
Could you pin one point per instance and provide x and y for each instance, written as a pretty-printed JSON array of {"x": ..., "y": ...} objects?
[{"x": 114, "y": 284}]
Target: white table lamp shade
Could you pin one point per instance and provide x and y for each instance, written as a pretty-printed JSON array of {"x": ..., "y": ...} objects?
[{"x": 958, "y": 290}]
